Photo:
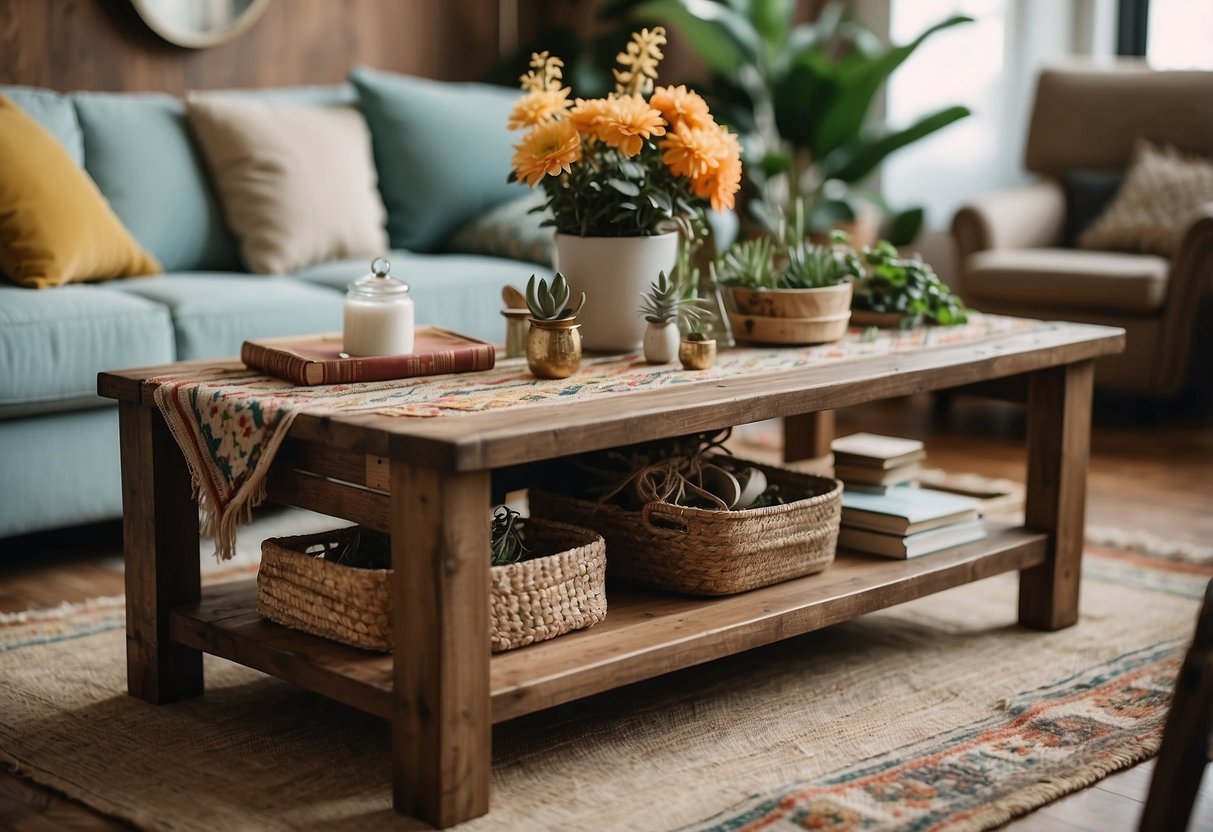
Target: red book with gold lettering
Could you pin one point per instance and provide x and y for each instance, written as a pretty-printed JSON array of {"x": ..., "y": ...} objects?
[{"x": 318, "y": 359}]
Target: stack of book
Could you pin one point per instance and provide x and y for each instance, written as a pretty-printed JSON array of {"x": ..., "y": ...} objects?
[
  {"x": 873, "y": 463},
  {"x": 905, "y": 521},
  {"x": 883, "y": 510}
]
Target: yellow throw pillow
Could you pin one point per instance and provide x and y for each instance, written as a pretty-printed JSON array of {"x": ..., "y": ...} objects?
[
  {"x": 1155, "y": 204},
  {"x": 55, "y": 226}
]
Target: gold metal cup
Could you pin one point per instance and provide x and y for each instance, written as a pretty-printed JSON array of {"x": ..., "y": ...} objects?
[
  {"x": 697, "y": 355},
  {"x": 553, "y": 348}
]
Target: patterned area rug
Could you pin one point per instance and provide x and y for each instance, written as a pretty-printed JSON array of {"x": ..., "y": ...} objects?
[{"x": 939, "y": 714}]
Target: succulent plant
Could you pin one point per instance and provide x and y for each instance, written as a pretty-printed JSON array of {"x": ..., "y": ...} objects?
[
  {"x": 550, "y": 303},
  {"x": 664, "y": 303}
]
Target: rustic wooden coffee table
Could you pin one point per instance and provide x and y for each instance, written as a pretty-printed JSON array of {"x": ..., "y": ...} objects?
[{"x": 429, "y": 483}]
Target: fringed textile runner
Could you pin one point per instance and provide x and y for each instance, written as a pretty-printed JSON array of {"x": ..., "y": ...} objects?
[{"x": 230, "y": 422}]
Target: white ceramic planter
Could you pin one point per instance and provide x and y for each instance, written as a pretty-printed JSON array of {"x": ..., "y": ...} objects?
[
  {"x": 661, "y": 342},
  {"x": 613, "y": 271}
]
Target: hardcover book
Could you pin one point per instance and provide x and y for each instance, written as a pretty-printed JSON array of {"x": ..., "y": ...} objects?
[
  {"x": 905, "y": 511},
  {"x": 318, "y": 359},
  {"x": 910, "y": 546},
  {"x": 876, "y": 451}
]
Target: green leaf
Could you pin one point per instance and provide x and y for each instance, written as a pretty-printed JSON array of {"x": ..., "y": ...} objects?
[
  {"x": 772, "y": 19},
  {"x": 859, "y": 77},
  {"x": 624, "y": 187},
  {"x": 724, "y": 39},
  {"x": 858, "y": 158},
  {"x": 774, "y": 163},
  {"x": 904, "y": 226}
]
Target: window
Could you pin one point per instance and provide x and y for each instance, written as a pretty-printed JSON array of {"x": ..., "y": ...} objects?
[{"x": 1179, "y": 34}]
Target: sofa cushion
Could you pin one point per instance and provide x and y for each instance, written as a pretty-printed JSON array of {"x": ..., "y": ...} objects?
[
  {"x": 1068, "y": 279},
  {"x": 214, "y": 312},
  {"x": 513, "y": 229},
  {"x": 298, "y": 183},
  {"x": 443, "y": 152},
  {"x": 459, "y": 292},
  {"x": 53, "y": 111},
  {"x": 140, "y": 153},
  {"x": 1152, "y": 210},
  {"x": 55, "y": 226},
  {"x": 53, "y": 344}
]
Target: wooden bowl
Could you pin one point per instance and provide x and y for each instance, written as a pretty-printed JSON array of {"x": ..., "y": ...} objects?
[
  {"x": 884, "y": 320},
  {"x": 793, "y": 303},
  {"x": 756, "y": 329}
]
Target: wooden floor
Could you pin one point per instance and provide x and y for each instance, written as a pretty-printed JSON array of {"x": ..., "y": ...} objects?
[{"x": 1156, "y": 476}]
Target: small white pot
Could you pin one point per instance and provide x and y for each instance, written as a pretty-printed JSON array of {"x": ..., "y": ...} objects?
[
  {"x": 661, "y": 342},
  {"x": 613, "y": 271}
]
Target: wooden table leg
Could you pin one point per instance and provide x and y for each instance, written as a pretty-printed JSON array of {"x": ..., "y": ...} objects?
[
  {"x": 441, "y": 721},
  {"x": 1059, "y": 444},
  {"x": 160, "y": 547},
  {"x": 808, "y": 436}
]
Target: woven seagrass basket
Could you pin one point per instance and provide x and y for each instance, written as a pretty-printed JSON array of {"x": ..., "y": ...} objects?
[
  {"x": 530, "y": 601},
  {"x": 707, "y": 552}
]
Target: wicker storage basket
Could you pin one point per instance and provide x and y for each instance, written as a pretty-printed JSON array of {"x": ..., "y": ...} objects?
[
  {"x": 530, "y": 601},
  {"x": 707, "y": 552}
]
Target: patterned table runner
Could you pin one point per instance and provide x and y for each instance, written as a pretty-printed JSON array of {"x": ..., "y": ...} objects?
[{"x": 230, "y": 422}]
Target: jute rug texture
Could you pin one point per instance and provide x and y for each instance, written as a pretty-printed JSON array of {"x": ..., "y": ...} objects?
[{"x": 774, "y": 738}]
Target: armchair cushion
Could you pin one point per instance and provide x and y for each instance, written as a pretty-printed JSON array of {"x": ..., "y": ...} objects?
[
  {"x": 1161, "y": 191},
  {"x": 1058, "y": 278},
  {"x": 1088, "y": 194}
]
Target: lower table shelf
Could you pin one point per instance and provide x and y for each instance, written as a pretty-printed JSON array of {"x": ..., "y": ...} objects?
[{"x": 645, "y": 633}]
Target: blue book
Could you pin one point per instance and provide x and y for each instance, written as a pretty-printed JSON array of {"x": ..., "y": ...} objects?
[{"x": 903, "y": 510}]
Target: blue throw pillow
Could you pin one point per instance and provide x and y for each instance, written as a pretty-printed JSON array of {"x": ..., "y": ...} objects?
[
  {"x": 442, "y": 150},
  {"x": 510, "y": 230}
]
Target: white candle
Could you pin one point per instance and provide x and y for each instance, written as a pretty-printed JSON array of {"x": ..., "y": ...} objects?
[{"x": 378, "y": 327}]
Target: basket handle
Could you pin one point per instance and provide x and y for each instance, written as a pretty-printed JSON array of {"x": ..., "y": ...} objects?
[{"x": 658, "y": 521}]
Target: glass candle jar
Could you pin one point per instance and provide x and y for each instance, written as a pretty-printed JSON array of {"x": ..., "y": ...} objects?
[{"x": 378, "y": 314}]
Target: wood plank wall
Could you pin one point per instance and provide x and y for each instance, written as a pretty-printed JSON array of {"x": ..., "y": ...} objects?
[{"x": 103, "y": 45}]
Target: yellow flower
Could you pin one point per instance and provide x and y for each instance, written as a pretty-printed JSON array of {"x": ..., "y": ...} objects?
[
  {"x": 678, "y": 105},
  {"x": 639, "y": 61},
  {"x": 548, "y": 150},
  {"x": 626, "y": 121},
  {"x": 691, "y": 152},
  {"x": 536, "y": 107},
  {"x": 721, "y": 184}
]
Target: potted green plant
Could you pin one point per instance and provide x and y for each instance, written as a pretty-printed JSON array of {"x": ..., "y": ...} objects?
[
  {"x": 696, "y": 351},
  {"x": 800, "y": 96},
  {"x": 666, "y": 308},
  {"x": 902, "y": 291},
  {"x": 553, "y": 343},
  {"x": 617, "y": 173}
]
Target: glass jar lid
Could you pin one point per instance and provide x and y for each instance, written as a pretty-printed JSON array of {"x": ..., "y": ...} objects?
[{"x": 379, "y": 283}]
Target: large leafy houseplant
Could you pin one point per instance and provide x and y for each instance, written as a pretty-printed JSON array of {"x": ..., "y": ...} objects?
[{"x": 800, "y": 95}]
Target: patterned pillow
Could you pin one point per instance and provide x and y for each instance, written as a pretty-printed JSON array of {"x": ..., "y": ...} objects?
[
  {"x": 509, "y": 230},
  {"x": 1161, "y": 190}
]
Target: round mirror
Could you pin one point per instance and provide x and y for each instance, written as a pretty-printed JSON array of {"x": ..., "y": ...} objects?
[{"x": 197, "y": 24}]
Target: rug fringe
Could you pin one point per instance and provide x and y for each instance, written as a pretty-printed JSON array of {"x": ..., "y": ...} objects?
[
  {"x": 106, "y": 602},
  {"x": 1148, "y": 543}
]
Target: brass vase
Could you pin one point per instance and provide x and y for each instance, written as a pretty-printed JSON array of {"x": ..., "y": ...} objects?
[
  {"x": 553, "y": 348},
  {"x": 697, "y": 355}
]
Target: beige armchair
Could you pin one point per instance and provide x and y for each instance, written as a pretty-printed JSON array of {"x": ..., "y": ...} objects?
[{"x": 1009, "y": 250}]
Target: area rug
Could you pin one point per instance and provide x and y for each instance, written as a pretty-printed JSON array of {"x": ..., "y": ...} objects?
[{"x": 938, "y": 714}]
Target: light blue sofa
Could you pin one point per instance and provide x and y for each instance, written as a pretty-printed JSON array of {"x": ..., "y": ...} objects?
[{"x": 58, "y": 439}]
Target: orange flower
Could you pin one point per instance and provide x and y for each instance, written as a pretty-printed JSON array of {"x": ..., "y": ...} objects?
[
  {"x": 548, "y": 150},
  {"x": 587, "y": 113},
  {"x": 691, "y": 152},
  {"x": 678, "y": 105},
  {"x": 627, "y": 121},
  {"x": 539, "y": 106},
  {"x": 721, "y": 184}
]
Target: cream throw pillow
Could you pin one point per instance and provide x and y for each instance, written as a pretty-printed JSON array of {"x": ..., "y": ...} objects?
[
  {"x": 297, "y": 183},
  {"x": 1150, "y": 212}
]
